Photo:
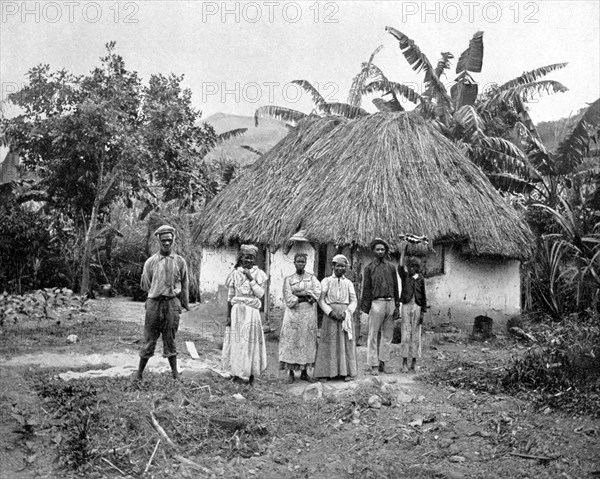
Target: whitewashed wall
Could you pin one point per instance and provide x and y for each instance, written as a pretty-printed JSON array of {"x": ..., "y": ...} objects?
[
  {"x": 216, "y": 264},
  {"x": 471, "y": 286}
]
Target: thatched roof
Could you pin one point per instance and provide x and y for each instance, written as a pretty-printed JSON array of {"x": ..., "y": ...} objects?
[{"x": 346, "y": 181}]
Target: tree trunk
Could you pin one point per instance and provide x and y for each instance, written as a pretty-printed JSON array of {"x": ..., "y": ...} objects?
[{"x": 87, "y": 249}]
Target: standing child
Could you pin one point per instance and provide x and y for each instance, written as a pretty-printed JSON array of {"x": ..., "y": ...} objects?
[{"x": 414, "y": 305}]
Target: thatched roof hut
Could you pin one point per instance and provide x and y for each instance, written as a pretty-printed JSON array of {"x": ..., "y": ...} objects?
[{"x": 345, "y": 181}]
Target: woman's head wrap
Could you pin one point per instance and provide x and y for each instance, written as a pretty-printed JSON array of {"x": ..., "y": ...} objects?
[
  {"x": 340, "y": 258},
  {"x": 249, "y": 249}
]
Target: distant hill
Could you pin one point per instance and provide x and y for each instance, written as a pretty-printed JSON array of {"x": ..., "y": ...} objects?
[{"x": 261, "y": 138}]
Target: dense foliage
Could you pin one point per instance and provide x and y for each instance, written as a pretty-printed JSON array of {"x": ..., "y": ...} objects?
[{"x": 105, "y": 136}]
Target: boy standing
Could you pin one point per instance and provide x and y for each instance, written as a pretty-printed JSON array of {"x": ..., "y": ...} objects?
[{"x": 414, "y": 305}]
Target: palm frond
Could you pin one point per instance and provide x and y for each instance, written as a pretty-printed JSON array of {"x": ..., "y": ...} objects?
[
  {"x": 510, "y": 183},
  {"x": 471, "y": 59},
  {"x": 358, "y": 82},
  {"x": 346, "y": 110},
  {"x": 540, "y": 160},
  {"x": 443, "y": 64},
  {"x": 291, "y": 117},
  {"x": 223, "y": 137},
  {"x": 526, "y": 120},
  {"x": 525, "y": 92},
  {"x": 573, "y": 149},
  {"x": 388, "y": 105},
  {"x": 531, "y": 76},
  {"x": 471, "y": 122},
  {"x": 398, "y": 89},
  {"x": 419, "y": 62},
  {"x": 252, "y": 149},
  {"x": 317, "y": 98},
  {"x": 507, "y": 156},
  {"x": 464, "y": 91}
]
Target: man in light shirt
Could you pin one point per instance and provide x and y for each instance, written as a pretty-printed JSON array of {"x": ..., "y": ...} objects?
[{"x": 165, "y": 277}]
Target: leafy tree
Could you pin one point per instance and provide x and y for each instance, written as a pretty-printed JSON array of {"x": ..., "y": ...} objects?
[{"x": 97, "y": 138}]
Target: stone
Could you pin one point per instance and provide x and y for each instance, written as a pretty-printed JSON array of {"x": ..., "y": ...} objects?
[
  {"x": 72, "y": 338},
  {"x": 403, "y": 398},
  {"x": 375, "y": 402},
  {"x": 456, "y": 459},
  {"x": 313, "y": 391}
]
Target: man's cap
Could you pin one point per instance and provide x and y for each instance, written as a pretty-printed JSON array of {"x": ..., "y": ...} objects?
[
  {"x": 377, "y": 241},
  {"x": 164, "y": 229}
]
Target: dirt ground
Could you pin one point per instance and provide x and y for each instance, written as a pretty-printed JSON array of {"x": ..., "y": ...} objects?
[{"x": 421, "y": 430}]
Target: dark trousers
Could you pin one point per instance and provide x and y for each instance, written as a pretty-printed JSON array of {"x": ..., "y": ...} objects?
[{"x": 162, "y": 318}]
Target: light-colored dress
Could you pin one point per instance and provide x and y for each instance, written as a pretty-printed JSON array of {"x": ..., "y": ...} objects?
[
  {"x": 336, "y": 351},
  {"x": 298, "y": 338},
  {"x": 244, "y": 349}
]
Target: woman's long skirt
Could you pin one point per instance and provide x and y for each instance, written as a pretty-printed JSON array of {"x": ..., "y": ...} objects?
[
  {"x": 244, "y": 349},
  {"x": 336, "y": 354},
  {"x": 298, "y": 338}
]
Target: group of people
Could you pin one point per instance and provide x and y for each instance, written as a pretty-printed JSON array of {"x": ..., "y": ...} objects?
[{"x": 332, "y": 354}]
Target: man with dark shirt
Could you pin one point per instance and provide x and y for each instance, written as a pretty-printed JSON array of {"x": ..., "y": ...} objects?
[{"x": 380, "y": 300}]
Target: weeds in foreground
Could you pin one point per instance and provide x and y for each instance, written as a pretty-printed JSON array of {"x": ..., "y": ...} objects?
[
  {"x": 561, "y": 370},
  {"x": 107, "y": 420}
]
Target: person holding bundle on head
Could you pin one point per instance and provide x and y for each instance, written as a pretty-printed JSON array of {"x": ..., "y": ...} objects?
[
  {"x": 244, "y": 350},
  {"x": 414, "y": 305},
  {"x": 298, "y": 339},
  {"x": 165, "y": 278},
  {"x": 336, "y": 351}
]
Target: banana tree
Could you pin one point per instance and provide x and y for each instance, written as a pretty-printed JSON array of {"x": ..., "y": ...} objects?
[{"x": 476, "y": 121}]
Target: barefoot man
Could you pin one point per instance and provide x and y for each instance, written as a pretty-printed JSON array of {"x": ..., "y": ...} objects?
[{"x": 165, "y": 277}]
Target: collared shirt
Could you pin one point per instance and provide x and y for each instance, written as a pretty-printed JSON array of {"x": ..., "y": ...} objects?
[
  {"x": 380, "y": 281},
  {"x": 166, "y": 276},
  {"x": 412, "y": 287},
  {"x": 337, "y": 290},
  {"x": 239, "y": 285}
]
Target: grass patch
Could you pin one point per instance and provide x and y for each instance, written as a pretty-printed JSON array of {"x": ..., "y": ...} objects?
[
  {"x": 561, "y": 370},
  {"x": 108, "y": 419}
]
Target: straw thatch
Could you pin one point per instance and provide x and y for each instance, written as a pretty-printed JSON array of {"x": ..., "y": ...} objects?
[{"x": 346, "y": 181}]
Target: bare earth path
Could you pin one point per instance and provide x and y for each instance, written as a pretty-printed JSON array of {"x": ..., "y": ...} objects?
[{"x": 427, "y": 432}]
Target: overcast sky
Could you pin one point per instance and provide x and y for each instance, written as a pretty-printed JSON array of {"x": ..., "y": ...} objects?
[{"x": 237, "y": 56}]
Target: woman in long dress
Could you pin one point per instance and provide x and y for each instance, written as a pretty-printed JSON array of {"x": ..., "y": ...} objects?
[
  {"x": 244, "y": 350},
  {"x": 298, "y": 338},
  {"x": 336, "y": 352}
]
